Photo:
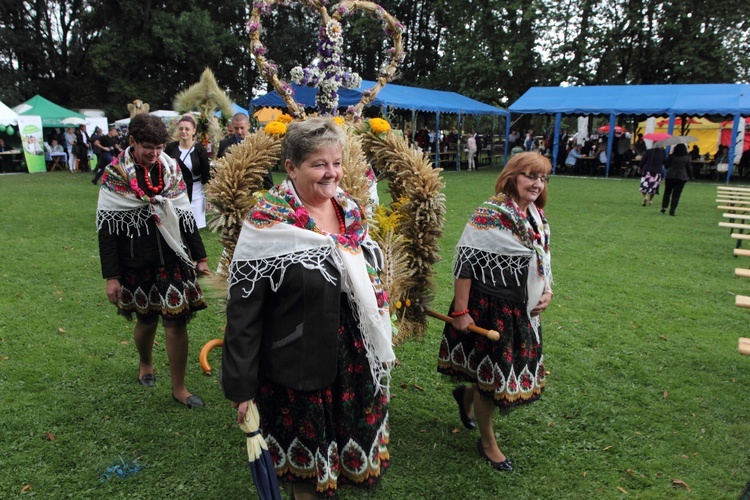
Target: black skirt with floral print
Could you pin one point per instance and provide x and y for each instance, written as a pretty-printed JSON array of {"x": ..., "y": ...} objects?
[
  {"x": 510, "y": 371},
  {"x": 335, "y": 436},
  {"x": 170, "y": 291}
]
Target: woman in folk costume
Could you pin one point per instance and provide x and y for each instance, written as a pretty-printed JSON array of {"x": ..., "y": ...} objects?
[
  {"x": 308, "y": 333},
  {"x": 148, "y": 243},
  {"x": 502, "y": 282}
]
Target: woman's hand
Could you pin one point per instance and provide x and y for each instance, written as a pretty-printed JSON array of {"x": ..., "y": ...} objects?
[
  {"x": 202, "y": 268},
  {"x": 241, "y": 410},
  {"x": 543, "y": 304},
  {"x": 462, "y": 323},
  {"x": 113, "y": 290}
]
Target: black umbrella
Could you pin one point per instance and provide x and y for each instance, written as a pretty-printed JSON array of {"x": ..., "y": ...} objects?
[{"x": 261, "y": 464}]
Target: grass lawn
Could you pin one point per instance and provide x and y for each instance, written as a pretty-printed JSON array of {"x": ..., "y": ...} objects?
[{"x": 647, "y": 396}]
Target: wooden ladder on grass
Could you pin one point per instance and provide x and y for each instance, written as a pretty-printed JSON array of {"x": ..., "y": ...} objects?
[{"x": 736, "y": 203}]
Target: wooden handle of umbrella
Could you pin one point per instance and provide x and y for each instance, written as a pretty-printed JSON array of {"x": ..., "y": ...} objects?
[
  {"x": 490, "y": 334},
  {"x": 203, "y": 356}
]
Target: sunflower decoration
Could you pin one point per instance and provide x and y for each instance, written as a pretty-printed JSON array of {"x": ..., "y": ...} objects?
[
  {"x": 276, "y": 127},
  {"x": 408, "y": 228}
]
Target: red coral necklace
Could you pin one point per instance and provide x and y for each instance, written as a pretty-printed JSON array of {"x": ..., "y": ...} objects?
[
  {"x": 159, "y": 175},
  {"x": 337, "y": 209}
]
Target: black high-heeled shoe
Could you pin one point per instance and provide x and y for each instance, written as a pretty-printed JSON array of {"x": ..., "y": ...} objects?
[
  {"x": 458, "y": 395},
  {"x": 505, "y": 465}
]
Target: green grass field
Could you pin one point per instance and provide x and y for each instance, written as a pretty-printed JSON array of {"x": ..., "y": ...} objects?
[{"x": 647, "y": 396}]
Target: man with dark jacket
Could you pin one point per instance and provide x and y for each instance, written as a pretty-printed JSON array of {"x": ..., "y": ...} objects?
[
  {"x": 83, "y": 146},
  {"x": 241, "y": 124}
]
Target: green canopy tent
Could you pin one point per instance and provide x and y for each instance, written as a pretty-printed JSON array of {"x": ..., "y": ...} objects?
[{"x": 51, "y": 113}]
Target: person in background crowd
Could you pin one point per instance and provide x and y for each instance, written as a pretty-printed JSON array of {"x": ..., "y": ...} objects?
[
  {"x": 502, "y": 282},
  {"x": 310, "y": 343},
  {"x": 640, "y": 145},
  {"x": 240, "y": 125},
  {"x": 70, "y": 144},
  {"x": 528, "y": 142},
  {"x": 83, "y": 147},
  {"x": 107, "y": 146},
  {"x": 192, "y": 158},
  {"x": 150, "y": 268},
  {"x": 471, "y": 146},
  {"x": 678, "y": 166},
  {"x": 651, "y": 167},
  {"x": 6, "y": 163},
  {"x": 572, "y": 159}
]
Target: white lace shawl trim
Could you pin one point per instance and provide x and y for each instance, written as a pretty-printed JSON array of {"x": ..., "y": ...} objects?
[{"x": 129, "y": 214}]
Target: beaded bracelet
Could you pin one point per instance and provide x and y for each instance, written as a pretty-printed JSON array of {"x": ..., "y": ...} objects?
[{"x": 456, "y": 314}]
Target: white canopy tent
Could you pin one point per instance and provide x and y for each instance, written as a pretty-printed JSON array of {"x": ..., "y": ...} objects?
[{"x": 7, "y": 115}]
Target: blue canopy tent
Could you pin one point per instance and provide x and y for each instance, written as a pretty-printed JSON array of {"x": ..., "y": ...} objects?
[
  {"x": 236, "y": 108},
  {"x": 395, "y": 96},
  {"x": 654, "y": 100}
]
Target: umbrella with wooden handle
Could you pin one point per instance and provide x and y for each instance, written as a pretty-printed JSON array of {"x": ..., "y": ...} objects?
[{"x": 490, "y": 334}]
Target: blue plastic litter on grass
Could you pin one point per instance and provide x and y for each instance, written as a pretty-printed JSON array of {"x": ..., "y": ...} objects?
[{"x": 122, "y": 470}]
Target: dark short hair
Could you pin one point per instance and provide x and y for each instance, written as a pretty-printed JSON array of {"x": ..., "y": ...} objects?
[{"x": 148, "y": 128}]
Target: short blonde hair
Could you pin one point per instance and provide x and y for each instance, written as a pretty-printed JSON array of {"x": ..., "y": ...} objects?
[
  {"x": 305, "y": 137},
  {"x": 530, "y": 163}
]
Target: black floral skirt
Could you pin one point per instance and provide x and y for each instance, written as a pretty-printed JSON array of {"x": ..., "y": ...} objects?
[
  {"x": 335, "y": 436},
  {"x": 510, "y": 371},
  {"x": 170, "y": 291}
]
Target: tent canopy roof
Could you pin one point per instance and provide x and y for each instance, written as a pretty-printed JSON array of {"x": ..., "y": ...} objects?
[
  {"x": 397, "y": 96},
  {"x": 691, "y": 99},
  {"x": 51, "y": 113},
  {"x": 7, "y": 115}
]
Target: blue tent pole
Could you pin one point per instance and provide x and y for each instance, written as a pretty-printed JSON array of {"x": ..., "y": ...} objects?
[
  {"x": 458, "y": 140},
  {"x": 413, "y": 124},
  {"x": 610, "y": 140},
  {"x": 556, "y": 141},
  {"x": 492, "y": 142},
  {"x": 437, "y": 139},
  {"x": 732, "y": 142},
  {"x": 507, "y": 138}
]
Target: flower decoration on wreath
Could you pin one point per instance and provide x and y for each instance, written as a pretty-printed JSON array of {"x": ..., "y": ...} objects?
[{"x": 407, "y": 229}]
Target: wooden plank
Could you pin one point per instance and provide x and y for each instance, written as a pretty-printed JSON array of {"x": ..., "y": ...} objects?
[
  {"x": 741, "y": 252},
  {"x": 734, "y": 225},
  {"x": 742, "y": 272},
  {"x": 744, "y": 346},
  {"x": 737, "y": 216},
  {"x": 732, "y": 202},
  {"x": 737, "y": 209},
  {"x": 740, "y": 236},
  {"x": 742, "y": 301},
  {"x": 732, "y": 188}
]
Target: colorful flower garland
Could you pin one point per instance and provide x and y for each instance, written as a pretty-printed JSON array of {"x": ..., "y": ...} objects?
[{"x": 328, "y": 73}]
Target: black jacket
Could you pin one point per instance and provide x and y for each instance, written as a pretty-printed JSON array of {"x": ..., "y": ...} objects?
[
  {"x": 289, "y": 336},
  {"x": 146, "y": 249},
  {"x": 201, "y": 166}
]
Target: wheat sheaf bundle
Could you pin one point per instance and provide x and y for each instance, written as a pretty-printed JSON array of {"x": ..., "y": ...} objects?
[
  {"x": 417, "y": 185},
  {"x": 236, "y": 178}
]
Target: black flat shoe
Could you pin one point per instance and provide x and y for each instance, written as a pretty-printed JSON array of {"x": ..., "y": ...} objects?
[
  {"x": 505, "y": 465},
  {"x": 458, "y": 395},
  {"x": 192, "y": 401},
  {"x": 148, "y": 380}
]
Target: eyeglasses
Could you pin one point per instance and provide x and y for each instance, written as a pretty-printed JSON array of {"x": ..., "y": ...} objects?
[
  {"x": 151, "y": 147},
  {"x": 533, "y": 177}
]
